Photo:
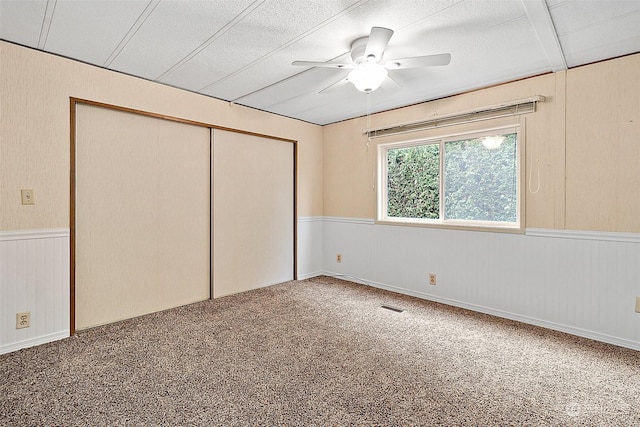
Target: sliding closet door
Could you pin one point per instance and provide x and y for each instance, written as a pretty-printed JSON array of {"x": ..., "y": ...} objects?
[
  {"x": 142, "y": 215},
  {"x": 253, "y": 212}
]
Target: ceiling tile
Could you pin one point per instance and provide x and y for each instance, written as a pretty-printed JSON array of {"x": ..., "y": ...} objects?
[
  {"x": 607, "y": 39},
  {"x": 571, "y": 16},
  {"x": 173, "y": 31},
  {"x": 21, "y": 21},
  {"x": 91, "y": 30},
  {"x": 590, "y": 31},
  {"x": 261, "y": 34}
]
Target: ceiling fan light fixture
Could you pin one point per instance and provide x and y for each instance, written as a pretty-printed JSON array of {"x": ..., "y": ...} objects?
[
  {"x": 368, "y": 76},
  {"x": 368, "y": 70}
]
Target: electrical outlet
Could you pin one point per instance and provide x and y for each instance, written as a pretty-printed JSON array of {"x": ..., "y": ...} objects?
[
  {"x": 338, "y": 258},
  {"x": 28, "y": 197},
  {"x": 432, "y": 279},
  {"x": 23, "y": 320},
  {"x": 637, "y": 304}
]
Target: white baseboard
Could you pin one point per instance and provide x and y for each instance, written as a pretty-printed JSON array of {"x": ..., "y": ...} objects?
[
  {"x": 310, "y": 275},
  {"x": 621, "y": 342},
  {"x": 34, "y": 341}
]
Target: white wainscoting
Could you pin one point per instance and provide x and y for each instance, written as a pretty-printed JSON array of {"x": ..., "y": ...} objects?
[
  {"x": 310, "y": 247},
  {"x": 583, "y": 283},
  {"x": 34, "y": 276}
]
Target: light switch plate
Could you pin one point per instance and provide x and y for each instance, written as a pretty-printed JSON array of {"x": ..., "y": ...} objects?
[
  {"x": 28, "y": 197},
  {"x": 637, "y": 304}
]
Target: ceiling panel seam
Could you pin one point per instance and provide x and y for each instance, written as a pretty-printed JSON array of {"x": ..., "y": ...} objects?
[
  {"x": 508, "y": 22},
  {"x": 228, "y": 26},
  {"x": 542, "y": 23},
  {"x": 286, "y": 45},
  {"x": 262, "y": 89},
  {"x": 132, "y": 31},
  {"x": 47, "y": 19},
  {"x": 438, "y": 12}
]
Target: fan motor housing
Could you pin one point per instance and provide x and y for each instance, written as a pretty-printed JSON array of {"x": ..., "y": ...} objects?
[{"x": 358, "y": 48}]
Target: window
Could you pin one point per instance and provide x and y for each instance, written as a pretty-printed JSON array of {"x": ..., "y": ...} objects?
[{"x": 461, "y": 180}]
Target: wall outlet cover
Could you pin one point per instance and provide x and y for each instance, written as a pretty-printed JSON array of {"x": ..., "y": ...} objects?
[
  {"x": 28, "y": 197},
  {"x": 23, "y": 320}
]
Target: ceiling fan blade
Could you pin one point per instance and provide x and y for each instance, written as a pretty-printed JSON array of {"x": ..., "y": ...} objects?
[
  {"x": 322, "y": 64},
  {"x": 377, "y": 43},
  {"x": 419, "y": 61},
  {"x": 335, "y": 85}
]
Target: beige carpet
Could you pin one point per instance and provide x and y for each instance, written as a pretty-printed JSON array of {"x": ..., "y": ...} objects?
[{"x": 320, "y": 352}]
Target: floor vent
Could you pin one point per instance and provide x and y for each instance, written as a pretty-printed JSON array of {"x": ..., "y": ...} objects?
[{"x": 396, "y": 309}]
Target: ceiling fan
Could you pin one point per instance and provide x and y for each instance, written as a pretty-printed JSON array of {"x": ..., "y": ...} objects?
[{"x": 367, "y": 69}]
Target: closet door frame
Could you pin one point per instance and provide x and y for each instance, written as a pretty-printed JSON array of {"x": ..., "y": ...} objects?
[{"x": 73, "y": 102}]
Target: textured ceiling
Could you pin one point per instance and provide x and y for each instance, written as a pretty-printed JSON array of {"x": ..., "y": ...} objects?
[{"x": 242, "y": 50}]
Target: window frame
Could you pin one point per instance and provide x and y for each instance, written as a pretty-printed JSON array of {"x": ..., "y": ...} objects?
[{"x": 442, "y": 222}]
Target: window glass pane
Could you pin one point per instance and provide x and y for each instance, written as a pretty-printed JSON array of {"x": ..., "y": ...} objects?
[
  {"x": 413, "y": 175},
  {"x": 481, "y": 179}
]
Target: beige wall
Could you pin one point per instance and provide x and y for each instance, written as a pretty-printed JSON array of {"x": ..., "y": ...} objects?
[
  {"x": 583, "y": 141},
  {"x": 603, "y": 146},
  {"x": 34, "y": 130},
  {"x": 586, "y": 133}
]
